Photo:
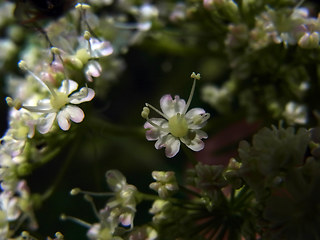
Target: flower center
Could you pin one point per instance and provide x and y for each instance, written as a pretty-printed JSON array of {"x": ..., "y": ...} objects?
[
  {"x": 59, "y": 101},
  {"x": 178, "y": 125},
  {"x": 83, "y": 55}
]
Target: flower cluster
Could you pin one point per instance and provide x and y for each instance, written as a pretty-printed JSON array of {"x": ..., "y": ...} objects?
[{"x": 80, "y": 62}]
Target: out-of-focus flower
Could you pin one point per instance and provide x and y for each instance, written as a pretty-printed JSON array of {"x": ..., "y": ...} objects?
[
  {"x": 122, "y": 206},
  {"x": 295, "y": 113},
  {"x": 165, "y": 184},
  {"x": 177, "y": 124}
]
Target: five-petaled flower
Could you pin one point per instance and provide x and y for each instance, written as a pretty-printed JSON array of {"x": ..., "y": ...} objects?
[
  {"x": 61, "y": 104},
  {"x": 177, "y": 125}
]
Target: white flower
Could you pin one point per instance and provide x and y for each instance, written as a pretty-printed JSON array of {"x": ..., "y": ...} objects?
[
  {"x": 89, "y": 50},
  {"x": 60, "y": 105},
  {"x": 177, "y": 125},
  {"x": 295, "y": 113}
]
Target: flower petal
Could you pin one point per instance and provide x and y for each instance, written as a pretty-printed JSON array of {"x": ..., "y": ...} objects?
[
  {"x": 171, "y": 106},
  {"x": 83, "y": 95},
  {"x": 68, "y": 86},
  {"x": 100, "y": 48},
  {"x": 45, "y": 123},
  {"x": 93, "y": 69},
  {"x": 195, "y": 144},
  {"x": 75, "y": 113},
  {"x": 154, "y": 133},
  {"x": 194, "y": 111},
  {"x": 170, "y": 143},
  {"x": 63, "y": 119},
  {"x": 172, "y": 146}
]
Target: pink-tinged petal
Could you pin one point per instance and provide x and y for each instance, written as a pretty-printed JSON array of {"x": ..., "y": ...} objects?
[
  {"x": 160, "y": 143},
  {"x": 93, "y": 69},
  {"x": 68, "y": 86},
  {"x": 153, "y": 133},
  {"x": 126, "y": 219},
  {"x": 201, "y": 134},
  {"x": 171, "y": 107},
  {"x": 83, "y": 95},
  {"x": 195, "y": 144},
  {"x": 172, "y": 146},
  {"x": 193, "y": 112},
  {"x": 75, "y": 113},
  {"x": 170, "y": 143},
  {"x": 45, "y": 123},
  {"x": 100, "y": 48},
  {"x": 63, "y": 119}
]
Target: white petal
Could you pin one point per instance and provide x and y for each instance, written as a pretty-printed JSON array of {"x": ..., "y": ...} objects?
[
  {"x": 194, "y": 111},
  {"x": 45, "y": 123},
  {"x": 63, "y": 120},
  {"x": 171, "y": 106},
  {"x": 172, "y": 146},
  {"x": 171, "y": 143},
  {"x": 75, "y": 113},
  {"x": 195, "y": 144},
  {"x": 100, "y": 48},
  {"x": 83, "y": 95},
  {"x": 153, "y": 133},
  {"x": 93, "y": 69},
  {"x": 68, "y": 86}
]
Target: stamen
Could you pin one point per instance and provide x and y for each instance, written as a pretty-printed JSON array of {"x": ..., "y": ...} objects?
[
  {"x": 90, "y": 200},
  {"x": 75, "y": 220},
  {"x": 195, "y": 77},
  {"x": 157, "y": 126},
  {"x": 22, "y": 64},
  {"x": 157, "y": 111},
  {"x": 76, "y": 191},
  {"x": 87, "y": 36},
  {"x": 57, "y": 51},
  {"x": 145, "y": 112},
  {"x": 37, "y": 109}
]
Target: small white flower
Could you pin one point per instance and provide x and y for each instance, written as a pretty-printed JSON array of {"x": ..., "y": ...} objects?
[
  {"x": 177, "y": 125},
  {"x": 89, "y": 50},
  {"x": 295, "y": 113},
  {"x": 61, "y": 105}
]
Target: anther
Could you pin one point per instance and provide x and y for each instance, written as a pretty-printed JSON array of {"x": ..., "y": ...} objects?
[
  {"x": 87, "y": 35},
  {"x": 145, "y": 112},
  {"x": 195, "y": 76}
]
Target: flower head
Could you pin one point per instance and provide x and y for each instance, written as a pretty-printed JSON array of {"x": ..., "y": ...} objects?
[
  {"x": 177, "y": 125},
  {"x": 61, "y": 104}
]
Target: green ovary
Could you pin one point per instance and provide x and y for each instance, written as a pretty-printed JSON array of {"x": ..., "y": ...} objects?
[
  {"x": 59, "y": 101},
  {"x": 178, "y": 125}
]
